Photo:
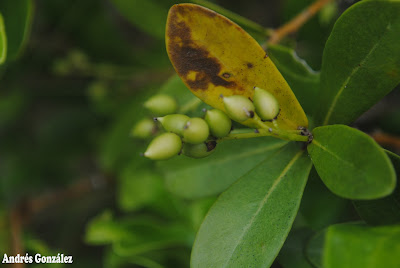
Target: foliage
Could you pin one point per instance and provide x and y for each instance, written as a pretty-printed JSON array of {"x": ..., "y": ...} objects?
[{"x": 303, "y": 189}]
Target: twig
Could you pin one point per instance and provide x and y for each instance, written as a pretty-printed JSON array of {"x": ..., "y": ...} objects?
[
  {"x": 386, "y": 140},
  {"x": 16, "y": 230},
  {"x": 298, "y": 21}
]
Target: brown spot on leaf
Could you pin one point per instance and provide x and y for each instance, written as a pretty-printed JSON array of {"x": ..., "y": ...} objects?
[
  {"x": 226, "y": 75},
  {"x": 188, "y": 56},
  {"x": 249, "y": 65},
  {"x": 266, "y": 56}
]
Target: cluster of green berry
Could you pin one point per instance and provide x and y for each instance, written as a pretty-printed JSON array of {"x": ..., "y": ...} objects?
[{"x": 197, "y": 137}]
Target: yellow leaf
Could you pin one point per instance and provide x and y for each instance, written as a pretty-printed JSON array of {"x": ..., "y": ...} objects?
[{"x": 214, "y": 56}]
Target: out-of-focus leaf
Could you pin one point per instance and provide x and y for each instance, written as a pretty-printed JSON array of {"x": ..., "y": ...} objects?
[
  {"x": 3, "y": 41},
  {"x": 292, "y": 254},
  {"x": 384, "y": 211},
  {"x": 249, "y": 222},
  {"x": 149, "y": 16},
  {"x": 214, "y": 56},
  {"x": 319, "y": 206},
  {"x": 355, "y": 246},
  {"x": 138, "y": 187},
  {"x": 300, "y": 77},
  {"x": 361, "y": 61},
  {"x": 132, "y": 236},
  {"x": 315, "y": 247},
  {"x": 351, "y": 164},
  {"x": 17, "y": 19},
  {"x": 196, "y": 178}
]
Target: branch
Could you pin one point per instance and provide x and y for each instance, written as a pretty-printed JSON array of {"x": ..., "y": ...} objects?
[
  {"x": 386, "y": 140},
  {"x": 294, "y": 25}
]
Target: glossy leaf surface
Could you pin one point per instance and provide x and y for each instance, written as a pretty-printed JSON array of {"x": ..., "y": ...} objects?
[
  {"x": 356, "y": 246},
  {"x": 196, "y": 178},
  {"x": 214, "y": 56},
  {"x": 361, "y": 61},
  {"x": 350, "y": 163},
  {"x": 248, "y": 224}
]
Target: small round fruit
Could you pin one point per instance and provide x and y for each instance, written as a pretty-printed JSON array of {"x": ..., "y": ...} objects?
[
  {"x": 161, "y": 105},
  {"x": 219, "y": 123},
  {"x": 267, "y": 106},
  {"x": 199, "y": 150},
  {"x": 239, "y": 108},
  {"x": 195, "y": 131},
  {"x": 164, "y": 147},
  {"x": 174, "y": 122},
  {"x": 144, "y": 129}
]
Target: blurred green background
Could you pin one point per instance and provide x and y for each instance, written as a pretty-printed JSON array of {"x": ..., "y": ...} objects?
[{"x": 71, "y": 178}]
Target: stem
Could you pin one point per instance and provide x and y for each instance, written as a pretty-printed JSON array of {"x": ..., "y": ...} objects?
[
  {"x": 294, "y": 24},
  {"x": 235, "y": 17},
  {"x": 386, "y": 139},
  {"x": 282, "y": 134}
]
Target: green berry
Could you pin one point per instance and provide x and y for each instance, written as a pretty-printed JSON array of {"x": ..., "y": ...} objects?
[
  {"x": 164, "y": 147},
  {"x": 195, "y": 131},
  {"x": 219, "y": 123},
  {"x": 161, "y": 105},
  {"x": 238, "y": 107},
  {"x": 199, "y": 150},
  {"x": 143, "y": 129},
  {"x": 267, "y": 107},
  {"x": 174, "y": 122}
]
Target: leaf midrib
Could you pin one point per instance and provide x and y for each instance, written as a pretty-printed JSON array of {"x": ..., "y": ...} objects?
[
  {"x": 268, "y": 194},
  {"x": 353, "y": 72}
]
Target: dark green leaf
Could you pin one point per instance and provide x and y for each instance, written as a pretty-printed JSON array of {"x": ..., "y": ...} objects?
[
  {"x": 361, "y": 61},
  {"x": 195, "y": 178},
  {"x": 249, "y": 223},
  {"x": 292, "y": 254},
  {"x": 350, "y": 163},
  {"x": 17, "y": 19},
  {"x": 315, "y": 247},
  {"x": 319, "y": 206},
  {"x": 355, "y": 246},
  {"x": 384, "y": 211},
  {"x": 149, "y": 16},
  {"x": 300, "y": 77},
  {"x": 3, "y": 41}
]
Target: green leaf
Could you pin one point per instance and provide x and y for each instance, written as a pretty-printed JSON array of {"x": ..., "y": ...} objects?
[
  {"x": 195, "y": 178},
  {"x": 350, "y": 163},
  {"x": 315, "y": 247},
  {"x": 292, "y": 254},
  {"x": 3, "y": 41},
  {"x": 138, "y": 187},
  {"x": 149, "y": 16},
  {"x": 319, "y": 206},
  {"x": 301, "y": 78},
  {"x": 17, "y": 19},
  {"x": 354, "y": 246},
  {"x": 249, "y": 223},
  {"x": 131, "y": 236},
  {"x": 361, "y": 61},
  {"x": 384, "y": 211}
]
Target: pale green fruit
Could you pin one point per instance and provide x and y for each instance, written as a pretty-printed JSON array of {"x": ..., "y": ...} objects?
[
  {"x": 239, "y": 108},
  {"x": 161, "y": 105},
  {"x": 199, "y": 150},
  {"x": 164, "y": 147},
  {"x": 143, "y": 129},
  {"x": 219, "y": 123},
  {"x": 267, "y": 107},
  {"x": 196, "y": 131},
  {"x": 174, "y": 122}
]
